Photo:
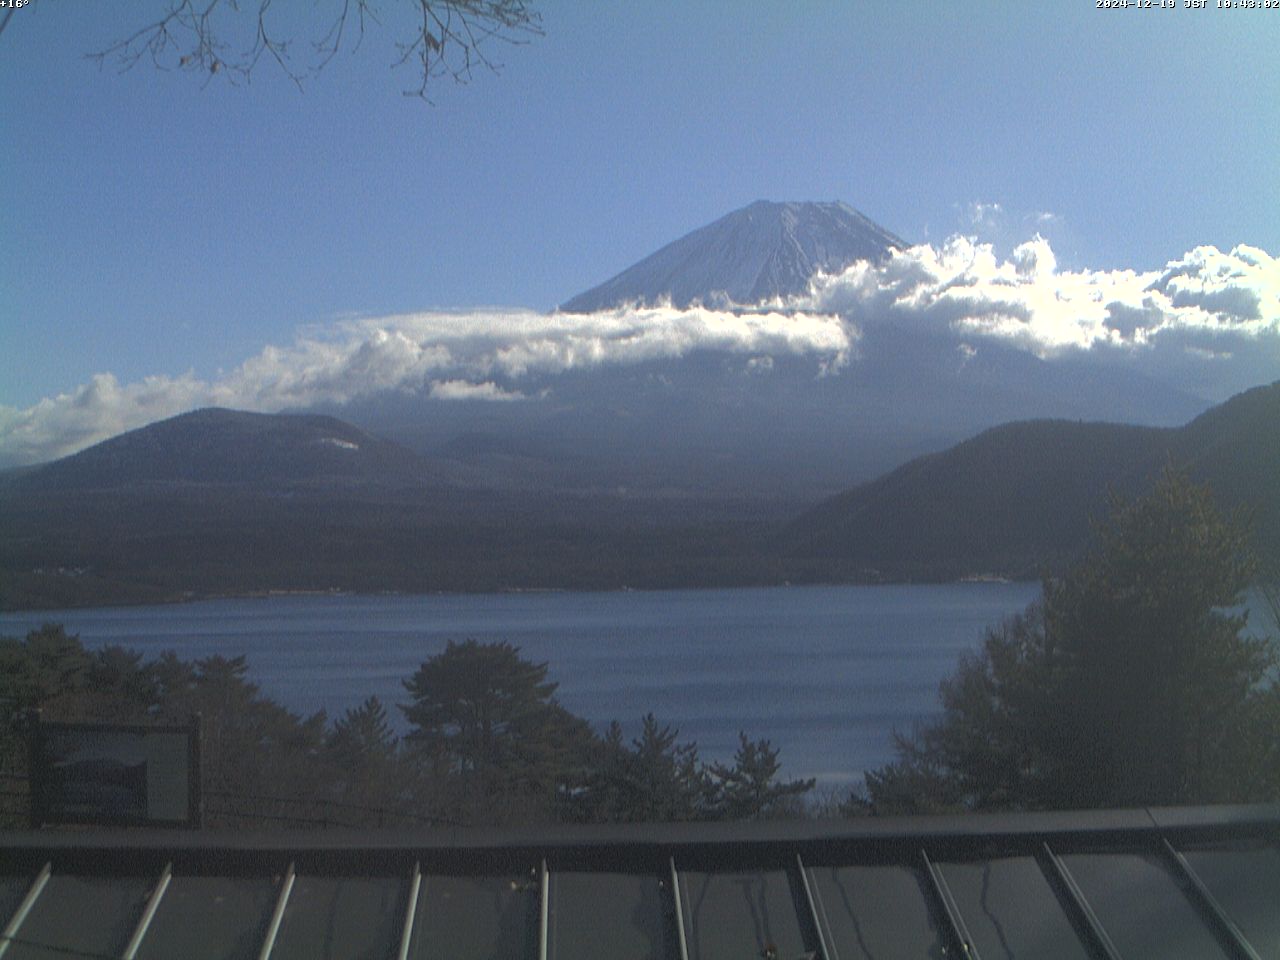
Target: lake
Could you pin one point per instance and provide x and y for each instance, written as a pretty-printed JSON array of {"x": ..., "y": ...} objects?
[{"x": 826, "y": 673}]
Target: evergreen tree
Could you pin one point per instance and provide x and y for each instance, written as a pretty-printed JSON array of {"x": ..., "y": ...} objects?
[
  {"x": 258, "y": 758},
  {"x": 1158, "y": 672},
  {"x": 1133, "y": 682},
  {"x": 362, "y": 753},
  {"x": 50, "y": 671},
  {"x": 749, "y": 790},
  {"x": 47, "y": 663},
  {"x": 655, "y": 779},
  {"x": 488, "y": 718},
  {"x": 363, "y": 735}
]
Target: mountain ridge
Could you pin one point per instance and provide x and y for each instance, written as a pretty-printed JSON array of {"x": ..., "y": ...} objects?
[
  {"x": 1019, "y": 498},
  {"x": 767, "y": 420},
  {"x": 1015, "y": 500},
  {"x": 215, "y": 445}
]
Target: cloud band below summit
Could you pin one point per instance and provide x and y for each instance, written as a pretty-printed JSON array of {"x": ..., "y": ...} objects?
[
  {"x": 963, "y": 287},
  {"x": 481, "y": 355},
  {"x": 1209, "y": 321}
]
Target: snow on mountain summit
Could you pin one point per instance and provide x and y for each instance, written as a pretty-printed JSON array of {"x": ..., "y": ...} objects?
[{"x": 763, "y": 251}]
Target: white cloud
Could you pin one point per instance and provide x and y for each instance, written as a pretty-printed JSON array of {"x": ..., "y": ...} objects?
[
  {"x": 985, "y": 214},
  {"x": 478, "y": 355},
  {"x": 964, "y": 287},
  {"x": 93, "y": 411},
  {"x": 1201, "y": 319},
  {"x": 1240, "y": 289},
  {"x": 465, "y": 390}
]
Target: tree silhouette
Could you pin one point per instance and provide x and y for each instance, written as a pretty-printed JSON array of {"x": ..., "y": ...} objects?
[
  {"x": 489, "y": 718},
  {"x": 229, "y": 39},
  {"x": 655, "y": 778},
  {"x": 749, "y": 790},
  {"x": 1132, "y": 682}
]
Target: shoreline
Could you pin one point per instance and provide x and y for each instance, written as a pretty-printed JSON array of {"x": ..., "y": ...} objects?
[{"x": 269, "y": 594}]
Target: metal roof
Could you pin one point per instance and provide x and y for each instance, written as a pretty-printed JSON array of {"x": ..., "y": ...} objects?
[{"x": 1157, "y": 883}]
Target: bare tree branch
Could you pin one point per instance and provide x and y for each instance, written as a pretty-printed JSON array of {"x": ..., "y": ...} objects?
[{"x": 219, "y": 39}]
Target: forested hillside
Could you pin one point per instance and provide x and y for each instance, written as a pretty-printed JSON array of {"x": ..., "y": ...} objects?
[
  {"x": 1017, "y": 500},
  {"x": 218, "y": 502}
]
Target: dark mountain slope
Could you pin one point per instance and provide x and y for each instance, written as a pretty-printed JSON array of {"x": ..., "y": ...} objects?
[
  {"x": 219, "y": 502},
  {"x": 1245, "y": 429},
  {"x": 174, "y": 511},
  {"x": 762, "y": 251},
  {"x": 1009, "y": 500},
  {"x": 1018, "y": 499},
  {"x": 215, "y": 446}
]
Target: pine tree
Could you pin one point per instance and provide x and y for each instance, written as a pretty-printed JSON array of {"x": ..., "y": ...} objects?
[
  {"x": 1158, "y": 671},
  {"x": 362, "y": 751},
  {"x": 488, "y": 718},
  {"x": 1132, "y": 682},
  {"x": 654, "y": 779},
  {"x": 749, "y": 790}
]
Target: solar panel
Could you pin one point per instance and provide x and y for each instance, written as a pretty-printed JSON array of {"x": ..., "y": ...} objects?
[
  {"x": 597, "y": 914},
  {"x": 1011, "y": 911},
  {"x": 876, "y": 911},
  {"x": 1132, "y": 884},
  {"x": 13, "y": 887},
  {"x": 223, "y": 917},
  {"x": 81, "y": 915},
  {"x": 477, "y": 918},
  {"x": 1141, "y": 905},
  {"x": 1244, "y": 879},
  {"x": 341, "y": 918},
  {"x": 732, "y": 914}
]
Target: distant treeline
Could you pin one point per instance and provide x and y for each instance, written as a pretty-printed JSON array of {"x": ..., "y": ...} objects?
[
  {"x": 99, "y": 548},
  {"x": 1133, "y": 681},
  {"x": 1016, "y": 501}
]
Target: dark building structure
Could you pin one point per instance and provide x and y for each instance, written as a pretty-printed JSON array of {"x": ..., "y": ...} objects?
[{"x": 1151, "y": 883}]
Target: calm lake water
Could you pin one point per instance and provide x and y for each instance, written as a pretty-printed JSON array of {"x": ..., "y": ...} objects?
[{"x": 826, "y": 673}]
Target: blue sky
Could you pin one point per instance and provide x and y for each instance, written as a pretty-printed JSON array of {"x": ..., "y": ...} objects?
[{"x": 154, "y": 225}]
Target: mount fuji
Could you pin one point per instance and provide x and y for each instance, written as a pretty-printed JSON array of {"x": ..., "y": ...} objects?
[
  {"x": 754, "y": 255},
  {"x": 710, "y": 422},
  {"x": 661, "y": 445}
]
